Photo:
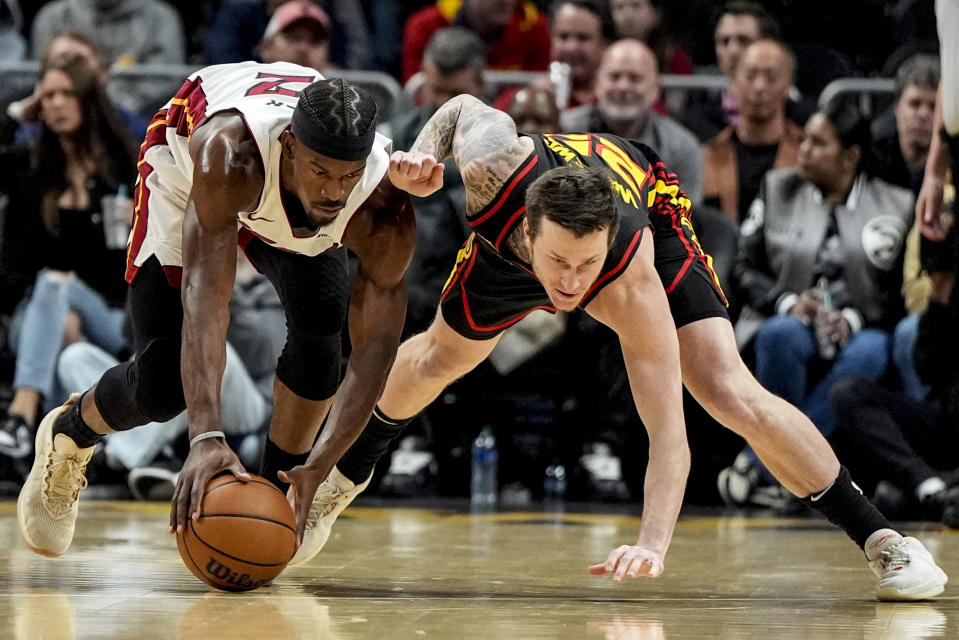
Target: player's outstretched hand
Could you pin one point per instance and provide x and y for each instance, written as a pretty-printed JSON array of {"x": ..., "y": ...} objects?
[
  {"x": 415, "y": 172},
  {"x": 629, "y": 562},
  {"x": 206, "y": 459},
  {"x": 303, "y": 481}
]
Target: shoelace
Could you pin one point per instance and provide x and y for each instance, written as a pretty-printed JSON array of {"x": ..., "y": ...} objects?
[
  {"x": 894, "y": 558},
  {"x": 326, "y": 498},
  {"x": 63, "y": 482}
]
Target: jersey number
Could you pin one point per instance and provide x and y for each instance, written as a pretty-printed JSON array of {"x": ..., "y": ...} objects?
[{"x": 274, "y": 84}]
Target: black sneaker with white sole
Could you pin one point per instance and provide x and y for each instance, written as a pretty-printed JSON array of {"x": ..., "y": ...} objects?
[
  {"x": 413, "y": 470},
  {"x": 16, "y": 444},
  {"x": 153, "y": 483},
  {"x": 599, "y": 475}
]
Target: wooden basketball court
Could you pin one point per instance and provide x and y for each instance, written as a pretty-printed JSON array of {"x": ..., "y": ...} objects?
[{"x": 449, "y": 574}]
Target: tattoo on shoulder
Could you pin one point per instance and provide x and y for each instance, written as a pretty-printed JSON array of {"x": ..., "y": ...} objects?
[
  {"x": 437, "y": 135},
  {"x": 487, "y": 152}
]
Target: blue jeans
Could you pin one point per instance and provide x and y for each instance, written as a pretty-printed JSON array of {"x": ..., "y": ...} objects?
[
  {"x": 243, "y": 411},
  {"x": 903, "y": 341},
  {"x": 785, "y": 349},
  {"x": 37, "y": 332}
]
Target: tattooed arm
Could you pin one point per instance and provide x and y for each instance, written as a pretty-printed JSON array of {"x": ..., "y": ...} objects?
[{"x": 482, "y": 142}]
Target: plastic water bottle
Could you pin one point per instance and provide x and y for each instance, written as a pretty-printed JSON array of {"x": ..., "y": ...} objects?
[
  {"x": 117, "y": 213},
  {"x": 483, "y": 482},
  {"x": 827, "y": 348},
  {"x": 561, "y": 75}
]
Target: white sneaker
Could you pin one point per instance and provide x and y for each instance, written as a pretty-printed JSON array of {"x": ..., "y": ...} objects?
[
  {"x": 47, "y": 506},
  {"x": 905, "y": 568},
  {"x": 332, "y": 496}
]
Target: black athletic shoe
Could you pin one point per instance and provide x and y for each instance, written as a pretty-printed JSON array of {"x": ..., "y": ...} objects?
[
  {"x": 155, "y": 482},
  {"x": 599, "y": 474},
  {"x": 16, "y": 445},
  {"x": 413, "y": 470},
  {"x": 16, "y": 437}
]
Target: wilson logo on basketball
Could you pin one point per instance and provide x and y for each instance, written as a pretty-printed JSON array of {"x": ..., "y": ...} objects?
[{"x": 224, "y": 573}]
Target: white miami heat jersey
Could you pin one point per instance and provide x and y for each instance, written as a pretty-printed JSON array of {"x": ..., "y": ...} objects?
[{"x": 265, "y": 95}]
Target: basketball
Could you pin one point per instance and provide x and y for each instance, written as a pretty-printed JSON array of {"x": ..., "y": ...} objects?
[{"x": 244, "y": 537}]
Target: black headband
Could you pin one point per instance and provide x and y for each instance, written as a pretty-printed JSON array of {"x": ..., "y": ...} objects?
[{"x": 329, "y": 144}]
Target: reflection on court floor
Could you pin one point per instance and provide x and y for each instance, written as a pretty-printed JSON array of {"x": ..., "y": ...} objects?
[{"x": 428, "y": 573}]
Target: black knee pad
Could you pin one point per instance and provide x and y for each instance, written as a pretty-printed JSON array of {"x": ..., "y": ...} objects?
[
  {"x": 148, "y": 389},
  {"x": 310, "y": 364}
]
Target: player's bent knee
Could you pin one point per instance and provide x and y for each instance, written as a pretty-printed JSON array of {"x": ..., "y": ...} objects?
[
  {"x": 52, "y": 279},
  {"x": 161, "y": 409},
  {"x": 738, "y": 408},
  {"x": 439, "y": 362},
  {"x": 148, "y": 389},
  {"x": 75, "y": 356},
  {"x": 310, "y": 364},
  {"x": 126, "y": 399}
]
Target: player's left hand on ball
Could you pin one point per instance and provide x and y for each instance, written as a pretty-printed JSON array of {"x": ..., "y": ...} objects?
[
  {"x": 303, "y": 482},
  {"x": 205, "y": 460},
  {"x": 630, "y": 562}
]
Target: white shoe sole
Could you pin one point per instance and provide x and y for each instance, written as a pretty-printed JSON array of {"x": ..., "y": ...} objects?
[{"x": 931, "y": 588}]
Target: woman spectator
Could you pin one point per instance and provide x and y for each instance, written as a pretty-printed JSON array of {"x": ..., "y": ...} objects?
[
  {"x": 55, "y": 232},
  {"x": 821, "y": 265}
]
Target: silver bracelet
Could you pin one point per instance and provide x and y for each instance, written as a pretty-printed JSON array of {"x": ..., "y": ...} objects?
[{"x": 207, "y": 435}]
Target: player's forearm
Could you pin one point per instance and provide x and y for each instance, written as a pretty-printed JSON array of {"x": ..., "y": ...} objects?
[
  {"x": 664, "y": 488},
  {"x": 367, "y": 370},
  {"x": 437, "y": 135},
  {"x": 209, "y": 270},
  {"x": 357, "y": 395},
  {"x": 656, "y": 384},
  {"x": 668, "y": 466},
  {"x": 203, "y": 356}
]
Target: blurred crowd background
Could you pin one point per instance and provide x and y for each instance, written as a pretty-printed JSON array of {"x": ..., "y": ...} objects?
[{"x": 800, "y": 131}]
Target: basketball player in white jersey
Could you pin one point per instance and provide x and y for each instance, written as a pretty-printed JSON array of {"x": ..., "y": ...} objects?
[{"x": 287, "y": 164}]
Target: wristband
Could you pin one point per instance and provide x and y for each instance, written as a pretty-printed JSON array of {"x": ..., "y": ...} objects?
[{"x": 206, "y": 436}]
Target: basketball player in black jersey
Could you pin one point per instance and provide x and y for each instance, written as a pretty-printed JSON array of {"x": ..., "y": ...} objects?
[{"x": 541, "y": 241}]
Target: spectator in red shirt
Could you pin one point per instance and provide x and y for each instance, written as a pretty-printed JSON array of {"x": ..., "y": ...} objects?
[{"x": 515, "y": 32}]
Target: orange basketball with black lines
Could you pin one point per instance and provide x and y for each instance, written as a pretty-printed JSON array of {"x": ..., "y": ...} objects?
[{"x": 244, "y": 537}]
